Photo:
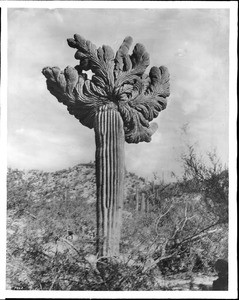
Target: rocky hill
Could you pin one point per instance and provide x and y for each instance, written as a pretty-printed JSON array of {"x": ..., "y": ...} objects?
[
  {"x": 51, "y": 232},
  {"x": 76, "y": 182}
]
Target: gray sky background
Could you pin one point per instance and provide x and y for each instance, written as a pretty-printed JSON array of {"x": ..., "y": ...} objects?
[{"x": 192, "y": 43}]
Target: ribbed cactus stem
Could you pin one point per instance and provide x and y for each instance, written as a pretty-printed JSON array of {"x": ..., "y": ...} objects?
[
  {"x": 110, "y": 139},
  {"x": 153, "y": 186},
  {"x": 146, "y": 205},
  {"x": 156, "y": 196},
  {"x": 137, "y": 199},
  {"x": 143, "y": 206}
]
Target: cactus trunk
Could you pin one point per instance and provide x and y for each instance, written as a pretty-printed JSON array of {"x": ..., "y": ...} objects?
[
  {"x": 110, "y": 139},
  {"x": 118, "y": 101},
  {"x": 143, "y": 203},
  {"x": 137, "y": 199}
]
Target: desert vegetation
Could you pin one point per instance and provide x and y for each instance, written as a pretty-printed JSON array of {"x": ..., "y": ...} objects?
[{"x": 172, "y": 232}]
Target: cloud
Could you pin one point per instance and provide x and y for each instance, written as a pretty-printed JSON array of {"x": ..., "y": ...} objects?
[
  {"x": 34, "y": 148},
  {"x": 192, "y": 43}
]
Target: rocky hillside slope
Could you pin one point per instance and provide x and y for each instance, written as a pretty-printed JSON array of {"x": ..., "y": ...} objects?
[
  {"x": 76, "y": 182},
  {"x": 51, "y": 230}
]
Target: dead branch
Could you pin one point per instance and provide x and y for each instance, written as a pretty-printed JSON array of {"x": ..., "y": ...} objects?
[
  {"x": 189, "y": 239},
  {"x": 197, "y": 234},
  {"x": 69, "y": 243},
  {"x": 160, "y": 217},
  {"x": 30, "y": 214},
  {"x": 55, "y": 278}
]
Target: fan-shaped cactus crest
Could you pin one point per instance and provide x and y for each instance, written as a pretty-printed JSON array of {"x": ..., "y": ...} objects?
[{"x": 119, "y": 102}]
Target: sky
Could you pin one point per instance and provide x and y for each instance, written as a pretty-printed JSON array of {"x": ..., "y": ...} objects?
[{"x": 192, "y": 43}]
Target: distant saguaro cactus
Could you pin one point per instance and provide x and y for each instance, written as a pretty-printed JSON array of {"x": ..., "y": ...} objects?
[
  {"x": 144, "y": 206},
  {"x": 118, "y": 102},
  {"x": 157, "y": 197},
  {"x": 137, "y": 199}
]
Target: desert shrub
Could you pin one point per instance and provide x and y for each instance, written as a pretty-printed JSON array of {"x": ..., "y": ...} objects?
[
  {"x": 207, "y": 176},
  {"x": 193, "y": 220},
  {"x": 181, "y": 234},
  {"x": 69, "y": 270},
  {"x": 184, "y": 230}
]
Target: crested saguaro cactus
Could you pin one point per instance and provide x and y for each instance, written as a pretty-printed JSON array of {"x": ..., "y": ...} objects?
[{"x": 118, "y": 101}]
